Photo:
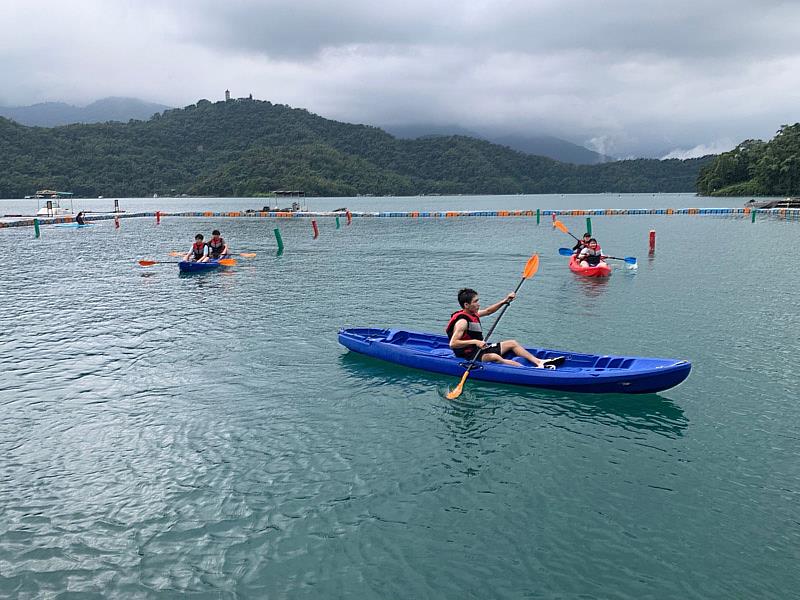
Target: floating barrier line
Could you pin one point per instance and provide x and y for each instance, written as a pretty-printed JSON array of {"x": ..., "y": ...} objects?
[{"x": 784, "y": 213}]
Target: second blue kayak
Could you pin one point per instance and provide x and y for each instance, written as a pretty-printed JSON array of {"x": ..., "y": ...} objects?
[
  {"x": 594, "y": 373},
  {"x": 73, "y": 224},
  {"x": 187, "y": 266}
]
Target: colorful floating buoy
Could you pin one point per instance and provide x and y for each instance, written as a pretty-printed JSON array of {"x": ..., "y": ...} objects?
[
  {"x": 36, "y": 232},
  {"x": 279, "y": 240},
  {"x": 652, "y": 241},
  {"x": 158, "y": 217},
  {"x": 316, "y": 231},
  {"x": 349, "y": 217},
  {"x": 337, "y": 222},
  {"x": 116, "y": 222},
  {"x": 589, "y": 225}
]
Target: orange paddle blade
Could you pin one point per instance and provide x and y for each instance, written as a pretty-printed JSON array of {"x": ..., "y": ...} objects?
[
  {"x": 227, "y": 262},
  {"x": 459, "y": 388},
  {"x": 148, "y": 263},
  {"x": 248, "y": 254},
  {"x": 176, "y": 253},
  {"x": 531, "y": 267},
  {"x": 561, "y": 226}
]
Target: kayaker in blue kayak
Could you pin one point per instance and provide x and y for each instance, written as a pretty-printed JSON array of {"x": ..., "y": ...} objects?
[
  {"x": 197, "y": 253},
  {"x": 217, "y": 248},
  {"x": 79, "y": 218},
  {"x": 466, "y": 335}
]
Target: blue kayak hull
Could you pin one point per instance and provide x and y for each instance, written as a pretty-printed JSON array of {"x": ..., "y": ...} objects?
[
  {"x": 73, "y": 225},
  {"x": 186, "y": 266},
  {"x": 590, "y": 373}
]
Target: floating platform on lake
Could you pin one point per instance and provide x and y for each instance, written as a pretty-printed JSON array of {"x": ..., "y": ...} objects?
[{"x": 782, "y": 213}]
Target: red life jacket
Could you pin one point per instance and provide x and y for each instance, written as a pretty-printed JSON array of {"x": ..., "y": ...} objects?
[
  {"x": 216, "y": 247},
  {"x": 198, "y": 249},
  {"x": 473, "y": 332}
]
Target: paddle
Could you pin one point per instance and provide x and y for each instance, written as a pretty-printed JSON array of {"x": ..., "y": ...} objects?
[
  {"x": 559, "y": 225},
  {"x": 225, "y": 262},
  {"x": 631, "y": 260},
  {"x": 530, "y": 269},
  {"x": 242, "y": 254}
]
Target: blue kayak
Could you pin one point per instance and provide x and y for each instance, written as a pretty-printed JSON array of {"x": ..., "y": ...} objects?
[
  {"x": 72, "y": 224},
  {"x": 593, "y": 373},
  {"x": 188, "y": 266}
]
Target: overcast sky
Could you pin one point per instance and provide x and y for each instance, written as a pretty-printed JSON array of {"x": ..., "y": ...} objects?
[{"x": 629, "y": 78}]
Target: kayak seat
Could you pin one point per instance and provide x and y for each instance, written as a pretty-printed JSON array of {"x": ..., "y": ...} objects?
[{"x": 443, "y": 352}]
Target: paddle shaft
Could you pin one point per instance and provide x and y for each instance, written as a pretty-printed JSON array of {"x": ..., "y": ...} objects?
[{"x": 494, "y": 325}]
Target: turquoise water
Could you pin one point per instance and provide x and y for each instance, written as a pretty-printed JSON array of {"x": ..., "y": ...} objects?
[{"x": 164, "y": 435}]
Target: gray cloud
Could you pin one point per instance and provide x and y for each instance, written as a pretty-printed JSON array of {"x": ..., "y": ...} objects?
[{"x": 633, "y": 78}]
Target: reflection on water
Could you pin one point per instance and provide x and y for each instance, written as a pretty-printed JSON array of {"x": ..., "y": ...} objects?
[
  {"x": 592, "y": 287},
  {"x": 643, "y": 413}
]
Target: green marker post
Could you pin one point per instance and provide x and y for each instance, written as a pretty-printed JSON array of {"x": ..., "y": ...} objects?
[
  {"x": 589, "y": 225},
  {"x": 337, "y": 222},
  {"x": 538, "y": 215},
  {"x": 279, "y": 240},
  {"x": 36, "y": 232},
  {"x": 752, "y": 216}
]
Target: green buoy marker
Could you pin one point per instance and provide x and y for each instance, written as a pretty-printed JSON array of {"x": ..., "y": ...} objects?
[
  {"x": 752, "y": 216},
  {"x": 538, "y": 215},
  {"x": 36, "y": 232},
  {"x": 337, "y": 222},
  {"x": 589, "y": 225},
  {"x": 279, "y": 240}
]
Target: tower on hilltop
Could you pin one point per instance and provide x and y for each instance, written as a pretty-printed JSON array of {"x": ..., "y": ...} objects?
[{"x": 227, "y": 95}]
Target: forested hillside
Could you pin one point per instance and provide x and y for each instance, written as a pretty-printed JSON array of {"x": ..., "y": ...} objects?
[
  {"x": 249, "y": 147},
  {"x": 756, "y": 168}
]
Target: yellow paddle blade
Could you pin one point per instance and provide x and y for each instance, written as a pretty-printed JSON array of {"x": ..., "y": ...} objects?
[
  {"x": 227, "y": 262},
  {"x": 531, "y": 267},
  {"x": 148, "y": 263},
  {"x": 459, "y": 388},
  {"x": 561, "y": 226},
  {"x": 248, "y": 254}
]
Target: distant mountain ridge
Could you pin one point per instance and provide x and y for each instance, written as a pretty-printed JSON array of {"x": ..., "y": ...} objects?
[
  {"x": 53, "y": 114},
  {"x": 537, "y": 145},
  {"x": 249, "y": 147}
]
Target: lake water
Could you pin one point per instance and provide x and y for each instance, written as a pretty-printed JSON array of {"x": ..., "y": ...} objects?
[{"x": 164, "y": 435}]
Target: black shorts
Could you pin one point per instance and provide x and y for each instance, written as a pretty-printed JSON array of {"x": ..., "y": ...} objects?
[{"x": 490, "y": 349}]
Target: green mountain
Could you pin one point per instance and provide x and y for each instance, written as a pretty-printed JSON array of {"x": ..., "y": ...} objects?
[
  {"x": 249, "y": 147},
  {"x": 541, "y": 145},
  {"x": 756, "y": 168}
]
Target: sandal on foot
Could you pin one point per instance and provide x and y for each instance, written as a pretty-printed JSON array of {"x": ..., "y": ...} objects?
[{"x": 552, "y": 363}]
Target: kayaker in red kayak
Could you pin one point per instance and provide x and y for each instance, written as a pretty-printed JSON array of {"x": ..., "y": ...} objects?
[
  {"x": 466, "y": 335},
  {"x": 217, "y": 248},
  {"x": 197, "y": 253},
  {"x": 591, "y": 255},
  {"x": 583, "y": 243}
]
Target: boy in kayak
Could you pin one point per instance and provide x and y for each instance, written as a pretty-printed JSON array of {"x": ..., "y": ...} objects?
[
  {"x": 466, "y": 336},
  {"x": 217, "y": 248},
  {"x": 198, "y": 250},
  {"x": 591, "y": 255},
  {"x": 582, "y": 243}
]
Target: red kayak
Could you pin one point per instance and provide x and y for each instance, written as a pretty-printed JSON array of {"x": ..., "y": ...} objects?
[{"x": 601, "y": 270}]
